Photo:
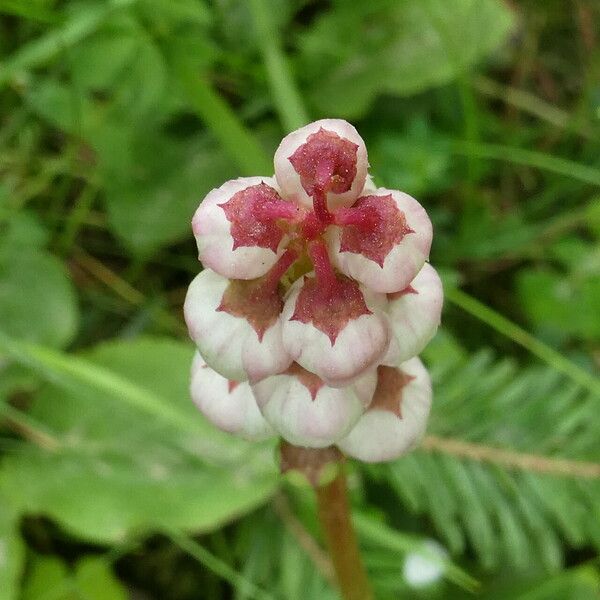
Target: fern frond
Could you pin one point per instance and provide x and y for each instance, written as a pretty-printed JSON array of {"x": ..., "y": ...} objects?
[{"x": 509, "y": 469}]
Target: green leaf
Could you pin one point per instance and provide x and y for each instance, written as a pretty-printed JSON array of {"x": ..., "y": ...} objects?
[
  {"x": 361, "y": 49},
  {"x": 121, "y": 470},
  {"x": 416, "y": 160},
  {"x": 170, "y": 13},
  {"x": 561, "y": 303},
  {"x": 95, "y": 580},
  {"x": 37, "y": 299},
  {"x": 12, "y": 551},
  {"x": 23, "y": 230},
  {"x": 48, "y": 578},
  {"x": 151, "y": 202},
  {"x": 82, "y": 22}
]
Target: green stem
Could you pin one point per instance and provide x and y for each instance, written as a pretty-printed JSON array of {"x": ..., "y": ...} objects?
[
  {"x": 76, "y": 217},
  {"x": 523, "y": 338},
  {"x": 29, "y": 428},
  {"x": 217, "y": 566},
  {"x": 68, "y": 370},
  {"x": 286, "y": 97},
  {"x": 529, "y": 158},
  {"x": 531, "y": 104},
  {"x": 237, "y": 141}
]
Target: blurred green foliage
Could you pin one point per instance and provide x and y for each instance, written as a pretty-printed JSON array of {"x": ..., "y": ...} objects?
[{"x": 116, "y": 118}]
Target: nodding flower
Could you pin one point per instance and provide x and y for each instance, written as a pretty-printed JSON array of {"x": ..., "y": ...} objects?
[{"x": 314, "y": 301}]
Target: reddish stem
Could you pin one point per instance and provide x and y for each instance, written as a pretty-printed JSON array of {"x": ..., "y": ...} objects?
[
  {"x": 317, "y": 250},
  {"x": 320, "y": 206},
  {"x": 334, "y": 514}
]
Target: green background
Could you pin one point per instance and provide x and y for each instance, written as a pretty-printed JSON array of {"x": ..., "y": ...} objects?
[{"x": 118, "y": 116}]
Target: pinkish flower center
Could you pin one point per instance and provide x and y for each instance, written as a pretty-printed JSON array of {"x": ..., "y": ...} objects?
[
  {"x": 373, "y": 227},
  {"x": 329, "y": 300},
  {"x": 325, "y": 162},
  {"x": 231, "y": 385},
  {"x": 388, "y": 393},
  {"x": 254, "y": 214},
  {"x": 309, "y": 380},
  {"x": 259, "y": 301}
]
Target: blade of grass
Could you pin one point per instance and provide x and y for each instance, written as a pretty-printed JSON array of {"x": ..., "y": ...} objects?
[
  {"x": 50, "y": 45},
  {"x": 529, "y": 103},
  {"x": 218, "y": 116},
  {"x": 216, "y": 565},
  {"x": 518, "y": 335},
  {"x": 530, "y": 158},
  {"x": 29, "y": 428},
  {"x": 66, "y": 369},
  {"x": 286, "y": 97},
  {"x": 27, "y": 10}
]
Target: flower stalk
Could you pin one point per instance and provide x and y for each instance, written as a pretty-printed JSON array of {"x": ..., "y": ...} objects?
[{"x": 325, "y": 470}]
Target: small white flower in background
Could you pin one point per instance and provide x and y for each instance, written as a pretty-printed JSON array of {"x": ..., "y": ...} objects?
[
  {"x": 314, "y": 301},
  {"x": 422, "y": 569}
]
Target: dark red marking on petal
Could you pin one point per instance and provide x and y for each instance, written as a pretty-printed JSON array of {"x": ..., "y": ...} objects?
[
  {"x": 329, "y": 310},
  {"x": 391, "y": 382},
  {"x": 231, "y": 385},
  {"x": 259, "y": 301},
  {"x": 313, "y": 383},
  {"x": 372, "y": 227},
  {"x": 326, "y": 162},
  {"x": 253, "y": 214},
  {"x": 407, "y": 290}
]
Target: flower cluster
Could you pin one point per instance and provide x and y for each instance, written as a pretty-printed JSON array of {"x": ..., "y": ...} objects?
[{"x": 314, "y": 301}]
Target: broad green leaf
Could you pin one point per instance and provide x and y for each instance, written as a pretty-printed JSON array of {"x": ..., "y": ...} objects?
[
  {"x": 153, "y": 182},
  {"x": 361, "y": 49},
  {"x": 416, "y": 160},
  {"x": 152, "y": 202},
  {"x": 20, "y": 231},
  {"x": 121, "y": 471},
  {"x": 117, "y": 80},
  {"x": 171, "y": 13},
  {"x": 12, "y": 551},
  {"x": 92, "y": 578},
  {"x": 95, "y": 580},
  {"x": 561, "y": 303},
  {"x": 37, "y": 299},
  {"x": 82, "y": 22},
  {"x": 48, "y": 577}
]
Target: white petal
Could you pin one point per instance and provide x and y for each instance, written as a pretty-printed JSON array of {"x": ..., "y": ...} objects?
[
  {"x": 231, "y": 408},
  {"x": 228, "y": 343},
  {"x": 289, "y": 407},
  {"x": 415, "y": 317},
  {"x": 380, "y": 435},
  {"x": 403, "y": 261},
  {"x": 360, "y": 344},
  {"x": 288, "y": 178},
  {"x": 212, "y": 231}
]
